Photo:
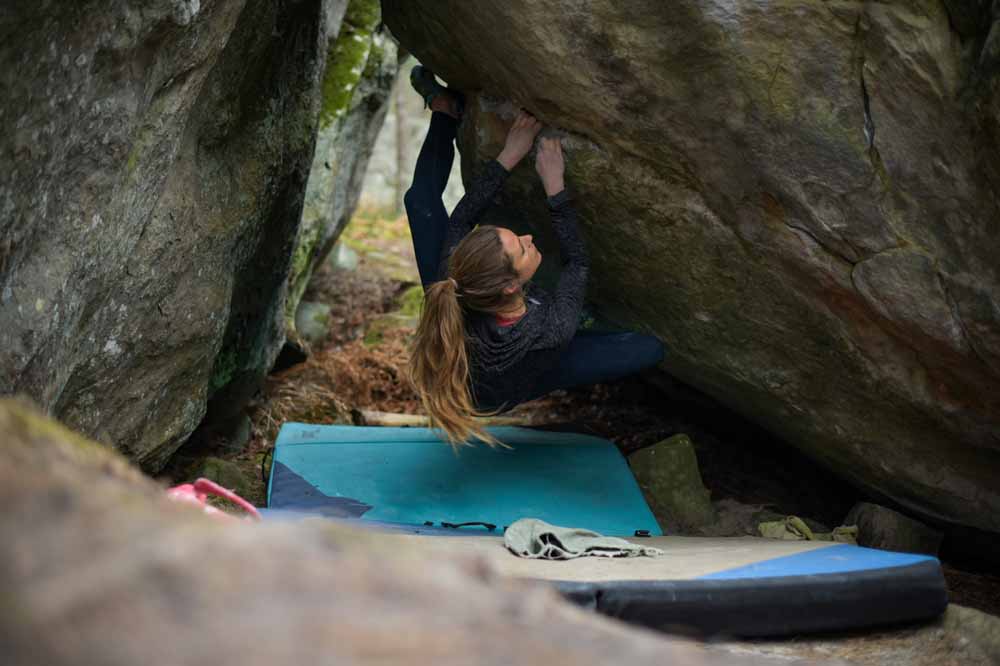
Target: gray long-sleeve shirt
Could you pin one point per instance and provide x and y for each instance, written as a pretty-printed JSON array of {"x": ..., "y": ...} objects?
[{"x": 507, "y": 361}]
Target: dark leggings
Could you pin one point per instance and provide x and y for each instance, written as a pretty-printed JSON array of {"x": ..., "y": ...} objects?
[
  {"x": 424, "y": 208},
  {"x": 590, "y": 358}
]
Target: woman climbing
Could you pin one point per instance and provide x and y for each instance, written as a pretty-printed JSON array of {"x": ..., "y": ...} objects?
[{"x": 489, "y": 339}]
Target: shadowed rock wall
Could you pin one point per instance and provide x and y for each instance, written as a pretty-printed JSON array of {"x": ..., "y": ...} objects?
[
  {"x": 799, "y": 198},
  {"x": 155, "y": 161}
]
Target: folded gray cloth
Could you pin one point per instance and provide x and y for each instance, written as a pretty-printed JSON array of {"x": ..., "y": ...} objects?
[{"x": 536, "y": 539}]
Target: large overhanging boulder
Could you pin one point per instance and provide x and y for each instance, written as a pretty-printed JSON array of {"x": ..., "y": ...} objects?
[
  {"x": 155, "y": 161},
  {"x": 800, "y": 198}
]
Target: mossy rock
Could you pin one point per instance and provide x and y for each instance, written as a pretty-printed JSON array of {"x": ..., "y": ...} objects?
[
  {"x": 30, "y": 436},
  {"x": 411, "y": 301},
  {"x": 393, "y": 321},
  {"x": 356, "y": 86},
  {"x": 668, "y": 475},
  {"x": 406, "y": 316},
  {"x": 312, "y": 321},
  {"x": 347, "y": 58},
  {"x": 225, "y": 473}
]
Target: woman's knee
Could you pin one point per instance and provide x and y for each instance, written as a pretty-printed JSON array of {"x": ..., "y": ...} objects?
[
  {"x": 421, "y": 206},
  {"x": 411, "y": 202},
  {"x": 648, "y": 348}
]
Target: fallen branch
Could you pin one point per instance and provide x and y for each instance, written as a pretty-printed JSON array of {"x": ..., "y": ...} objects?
[{"x": 375, "y": 418}]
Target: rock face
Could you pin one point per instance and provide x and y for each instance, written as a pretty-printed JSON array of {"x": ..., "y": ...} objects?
[
  {"x": 356, "y": 89},
  {"x": 154, "y": 169},
  {"x": 799, "y": 198},
  {"x": 101, "y": 569}
]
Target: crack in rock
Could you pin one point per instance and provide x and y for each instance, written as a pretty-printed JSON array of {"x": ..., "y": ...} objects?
[
  {"x": 824, "y": 246},
  {"x": 869, "y": 122}
]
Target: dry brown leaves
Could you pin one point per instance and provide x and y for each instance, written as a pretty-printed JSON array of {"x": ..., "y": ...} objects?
[
  {"x": 365, "y": 377},
  {"x": 334, "y": 382}
]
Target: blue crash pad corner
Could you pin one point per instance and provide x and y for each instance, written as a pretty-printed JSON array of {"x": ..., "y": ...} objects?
[{"x": 835, "y": 558}]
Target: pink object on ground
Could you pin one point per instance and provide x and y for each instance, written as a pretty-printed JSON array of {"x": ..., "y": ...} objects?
[{"x": 198, "y": 492}]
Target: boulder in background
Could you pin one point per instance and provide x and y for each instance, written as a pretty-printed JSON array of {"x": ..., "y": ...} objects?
[{"x": 883, "y": 528}]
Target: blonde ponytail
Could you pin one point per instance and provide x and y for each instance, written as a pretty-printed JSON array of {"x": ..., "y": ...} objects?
[
  {"x": 478, "y": 271},
  {"x": 439, "y": 366}
]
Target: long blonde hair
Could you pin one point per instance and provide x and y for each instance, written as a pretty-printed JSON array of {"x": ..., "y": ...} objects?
[{"x": 479, "y": 271}]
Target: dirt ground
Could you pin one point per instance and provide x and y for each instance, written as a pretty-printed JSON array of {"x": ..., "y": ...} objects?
[{"x": 350, "y": 371}]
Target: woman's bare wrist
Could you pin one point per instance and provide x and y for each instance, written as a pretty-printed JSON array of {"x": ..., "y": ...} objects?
[{"x": 554, "y": 186}]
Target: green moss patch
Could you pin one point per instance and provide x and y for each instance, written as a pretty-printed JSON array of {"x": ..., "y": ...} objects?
[
  {"x": 347, "y": 59},
  {"x": 223, "y": 371},
  {"x": 411, "y": 301}
]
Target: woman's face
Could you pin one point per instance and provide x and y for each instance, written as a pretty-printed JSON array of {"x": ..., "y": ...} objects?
[{"x": 522, "y": 252}]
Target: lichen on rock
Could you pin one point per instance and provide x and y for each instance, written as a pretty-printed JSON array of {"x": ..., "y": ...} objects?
[{"x": 347, "y": 57}]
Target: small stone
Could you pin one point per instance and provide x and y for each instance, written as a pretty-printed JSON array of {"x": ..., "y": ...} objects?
[
  {"x": 885, "y": 529},
  {"x": 312, "y": 321},
  {"x": 344, "y": 258},
  {"x": 668, "y": 475},
  {"x": 225, "y": 473}
]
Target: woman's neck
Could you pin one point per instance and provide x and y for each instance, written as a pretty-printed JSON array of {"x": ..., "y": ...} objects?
[{"x": 516, "y": 309}]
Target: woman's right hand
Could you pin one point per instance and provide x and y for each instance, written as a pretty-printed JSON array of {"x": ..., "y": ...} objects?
[
  {"x": 520, "y": 137},
  {"x": 551, "y": 166}
]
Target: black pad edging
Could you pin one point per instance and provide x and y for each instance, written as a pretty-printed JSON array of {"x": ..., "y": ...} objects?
[{"x": 775, "y": 606}]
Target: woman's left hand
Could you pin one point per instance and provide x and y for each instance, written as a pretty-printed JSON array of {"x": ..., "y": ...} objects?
[{"x": 551, "y": 166}]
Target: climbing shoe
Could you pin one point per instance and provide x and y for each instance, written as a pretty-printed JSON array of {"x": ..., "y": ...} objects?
[{"x": 423, "y": 81}]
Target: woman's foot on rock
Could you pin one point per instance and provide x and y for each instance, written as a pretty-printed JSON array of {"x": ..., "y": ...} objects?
[
  {"x": 447, "y": 102},
  {"x": 435, "y": 95}
]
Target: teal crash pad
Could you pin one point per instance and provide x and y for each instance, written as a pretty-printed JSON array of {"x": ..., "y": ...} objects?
[
  {"x": 408, "y": 476},
  {"x": 397, "y": 480}
]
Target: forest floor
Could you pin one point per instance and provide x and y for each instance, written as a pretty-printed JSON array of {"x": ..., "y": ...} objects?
[{"x": 360, "y": 365}]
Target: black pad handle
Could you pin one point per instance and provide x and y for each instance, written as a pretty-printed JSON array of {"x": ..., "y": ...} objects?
[{"x": 489, "y": 526}]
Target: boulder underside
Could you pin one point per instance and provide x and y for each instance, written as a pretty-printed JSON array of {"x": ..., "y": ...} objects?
[{"x": 799, "y": 198}]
